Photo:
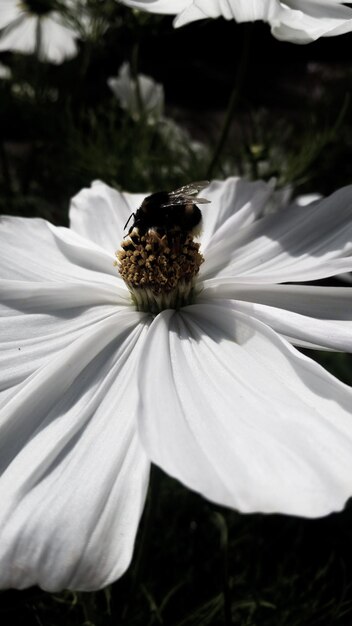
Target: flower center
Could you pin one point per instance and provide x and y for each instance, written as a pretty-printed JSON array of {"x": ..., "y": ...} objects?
[
  {"x": 159, "y": 269},
  {"x": 38, "y": 7}
]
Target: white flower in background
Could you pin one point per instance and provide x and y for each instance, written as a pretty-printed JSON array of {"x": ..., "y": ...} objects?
[
  {"x": 308, "y": 198},
  {"x": 150, "y": 92},
  {"x": 40, "y": 26},
  {"x": 182, "y": 144},
  {"x": 5, "y": 72},
  {"x": 214, "y": 392},
  {"x": 298, "y": 21},
  {"x": 151, "y": 105}
]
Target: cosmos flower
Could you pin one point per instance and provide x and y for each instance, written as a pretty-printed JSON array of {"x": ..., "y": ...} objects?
[
  {"x": 298, "y": 21},
  {"x": 5, "y": 72},
  {"x": 124, "y": 88},
  {"x": 212, "y": 391},
  {"x": 151, "y": 107},
  {"x": 37, "y": 26}
]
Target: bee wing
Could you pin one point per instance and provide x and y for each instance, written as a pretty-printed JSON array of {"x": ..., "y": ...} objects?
[
  {"x": 184, "y": 200},
  {"x": 190, "y": 189},
  {"x": 184, "y": 194}
]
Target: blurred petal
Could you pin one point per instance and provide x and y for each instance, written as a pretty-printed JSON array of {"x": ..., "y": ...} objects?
[
  {"x": 299, "y": 244},
  {"x": 151, "y": 94},
  {"x": 241, "y": 416},
  {"x": 9, "y": 11},
  {"x": 75, "y": 474},
  {"x": 20, "y": 37},
  {"x": 58, "y": 40},
  {"x": 5, "y": 72},
  {"x": 100, "y": 213}
]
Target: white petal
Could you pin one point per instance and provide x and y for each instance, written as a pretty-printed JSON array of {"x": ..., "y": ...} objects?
[
  {"x": 75, "y": 476},
  {"x": 9, "y": 11},
  {"x": 58, "y": 40},
  {"x": 158, "y": 6},
  {"x": 308, "y": 198},
  {"x": 100, "y": 213},
  {"x": 20, "y": 37},
  {"x": 34, "y": 250},
  {"x": 298, "y": 21},
  {"x": 5, "y": 72},
  {"x": 123, "y": 87},
  {"x": 237, "y": 414},
  {"x": 315, "y": 317},
  {"x": 240, "y": 10},
  {"x": 190, "y": 14},
  {"x": 320, "y": 302},
  {"x": 302, "y": 330},
  {"x": 301, "y": 243},
  {"x": 307, "y": 21},
  {"x": 37, "y": 320},
  {"x": 234, "y": 203}
]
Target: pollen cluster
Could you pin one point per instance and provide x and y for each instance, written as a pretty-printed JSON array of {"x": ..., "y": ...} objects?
[{"x": 159, "y": 270}]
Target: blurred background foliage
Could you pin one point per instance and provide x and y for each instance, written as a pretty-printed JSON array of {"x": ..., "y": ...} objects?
[{"x": 62, "y": 127}]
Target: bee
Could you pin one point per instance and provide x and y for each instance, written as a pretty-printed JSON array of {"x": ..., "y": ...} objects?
[{"x": 172, "y": 213}]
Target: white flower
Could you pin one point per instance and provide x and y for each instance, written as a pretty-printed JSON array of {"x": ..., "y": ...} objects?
[
  {"x": 179, "y": 139},
  {"x": 298, "y": 21},
  {"x": 214, "y": 393},
  {"x": 5, "y": 72},
  {"x": 151, "y": 94},
  {"x": 37, "y": 25},
  {"x": 152, "y": 98}
]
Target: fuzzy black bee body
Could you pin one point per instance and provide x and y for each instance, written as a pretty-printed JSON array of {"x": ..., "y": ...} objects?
[{"x": 170, "y": 213}]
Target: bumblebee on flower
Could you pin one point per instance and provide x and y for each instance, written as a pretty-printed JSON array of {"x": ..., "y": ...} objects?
[{"x": 159, "y": 260}]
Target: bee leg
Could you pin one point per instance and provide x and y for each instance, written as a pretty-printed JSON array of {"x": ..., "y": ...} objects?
[{"x": 128, "y": 221}]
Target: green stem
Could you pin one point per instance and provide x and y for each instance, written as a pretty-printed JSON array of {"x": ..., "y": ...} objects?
[
  {"x": 38, "y": 39},
  {"x": 134, "y": 75},
  {"x": 234, "y": 98},
  {"x": 88, "y": 603},
  {"x": 220, "y": 523}
]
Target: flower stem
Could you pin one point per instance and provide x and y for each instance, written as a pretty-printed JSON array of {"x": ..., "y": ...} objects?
[
  {"x": 220, "y": 522},
  {"x": 134, "y": 75},
  {"x": 234, "y": 98},
  {"x": 38, "y": 39}
]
